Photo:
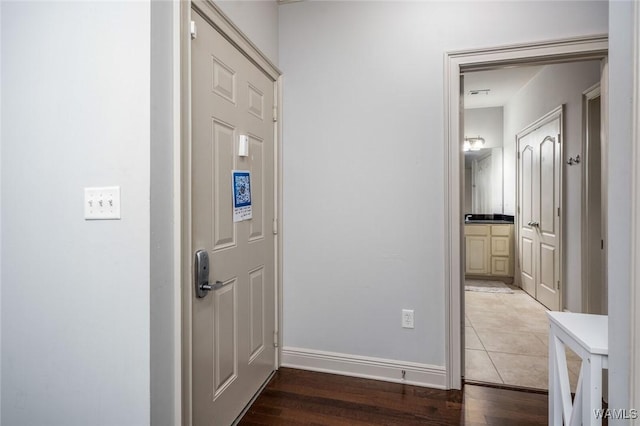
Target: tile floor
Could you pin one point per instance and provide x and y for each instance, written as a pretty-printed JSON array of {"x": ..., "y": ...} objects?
[{"x": 506, "y": 340}]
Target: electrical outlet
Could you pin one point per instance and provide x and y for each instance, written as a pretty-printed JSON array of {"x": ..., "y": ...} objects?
[
  {"x": 407, "y": 318},
  {"x": 102, "y": 203}
]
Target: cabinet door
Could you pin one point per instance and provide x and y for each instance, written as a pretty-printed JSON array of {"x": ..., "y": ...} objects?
[
  {"x": 500, "y": 246},
  {"x": 477, "y": 251},
  {"x": 500, "y": 266}
]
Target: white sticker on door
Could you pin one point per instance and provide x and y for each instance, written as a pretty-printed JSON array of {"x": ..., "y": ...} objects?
[{"x": 241, "y": 195}]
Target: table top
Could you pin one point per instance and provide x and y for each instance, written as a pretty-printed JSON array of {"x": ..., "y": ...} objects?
[{"x": 590, "y": 331}]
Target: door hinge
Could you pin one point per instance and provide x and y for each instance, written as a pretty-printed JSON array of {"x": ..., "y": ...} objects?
[
  {"x": 275, "y": 114},
  {"x": 275, "y": 226},
  {"x": 275, "y": 339},
  {"x": 558, "y": 211},
  {"x": 558, "y": 284},
  {"x": 193, "y": 30},
  {"x": 601, "y": 244}
]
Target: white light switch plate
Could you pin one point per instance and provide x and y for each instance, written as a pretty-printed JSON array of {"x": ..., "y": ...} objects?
[{"x": 102, "y": 203}]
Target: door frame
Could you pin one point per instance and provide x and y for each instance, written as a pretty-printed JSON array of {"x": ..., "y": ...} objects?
[
  {"x": 456, "y": 62},
  {"x": 634, "y": 370},
  {"x": 558, "y": 113},
  {"x": 588, "y": 95},
  {"x": 240, "y": 41}
]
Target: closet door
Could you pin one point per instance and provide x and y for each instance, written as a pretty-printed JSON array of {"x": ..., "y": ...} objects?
[{"x": 539, "y": 190}]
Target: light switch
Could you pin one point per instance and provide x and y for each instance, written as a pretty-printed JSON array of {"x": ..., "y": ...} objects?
[{"x": 102, "y": 203}]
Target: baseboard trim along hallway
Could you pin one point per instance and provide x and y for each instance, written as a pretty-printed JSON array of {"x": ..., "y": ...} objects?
[{"x": 365, "y": 367}]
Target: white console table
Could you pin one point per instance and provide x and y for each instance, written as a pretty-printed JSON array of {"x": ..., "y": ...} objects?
[{"x": 587, "y": 336}]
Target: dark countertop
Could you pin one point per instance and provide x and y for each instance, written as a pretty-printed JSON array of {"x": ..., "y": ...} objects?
[
  {"x": 483, "y": 219},
  {"x": 485, "y": 222}
]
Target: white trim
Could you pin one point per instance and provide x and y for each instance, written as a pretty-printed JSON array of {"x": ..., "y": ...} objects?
[
  {"x": 185, "y": 213},
  {"x": 280, "y": 208},
  {"x": 177, "y": 217},
  {"x": 588, "y": 95},
  {"x": 634, "y": 394},
  {"x": 365, "y": 367},
  {"x": 592, "y": 47}
]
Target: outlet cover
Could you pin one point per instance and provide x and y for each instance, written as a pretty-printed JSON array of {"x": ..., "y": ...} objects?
[{"x": 407, "y": 318}]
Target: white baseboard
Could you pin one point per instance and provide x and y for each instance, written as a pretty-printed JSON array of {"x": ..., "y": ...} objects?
[{"x": 365, "y": 367}]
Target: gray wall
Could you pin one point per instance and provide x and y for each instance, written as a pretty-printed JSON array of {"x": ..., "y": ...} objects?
[
  {"x": 363, "y": 161},
  {"x": 75, "y": 293},
  {"x": 258, "y": 20},
  {"x": 485, "y": 122},
  {"x": 619, "y": 193},
  {"x": 1, "y": 215},
  {"x": 553, "y": 86},
  {"x": 164, "y": 296}
]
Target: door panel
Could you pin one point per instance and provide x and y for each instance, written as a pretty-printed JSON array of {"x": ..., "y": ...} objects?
[
  {"x": 225, "y": 337},
  {"x": 539, "y": 221},
  {"x": 223, "y": 142},
  {"x": 526, "y": 231},
  {"x": 547, "y": 186},
  {"x": 257, "y": 344},
  {"x": 548, "y": 292},
  {"x": 256, "y": 224},
  {"x": 233, "y": 325}
]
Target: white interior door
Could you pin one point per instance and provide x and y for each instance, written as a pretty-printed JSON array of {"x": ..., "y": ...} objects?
[
  {"x": 547, "y": 219},
  {"x": 527, "y": 233},
  {"x": 539, "y": 203},
  {"x": 233, "y": 324}
]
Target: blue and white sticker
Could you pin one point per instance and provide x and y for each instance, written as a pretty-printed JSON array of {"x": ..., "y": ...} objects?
[{"x": 241, "y": 195}]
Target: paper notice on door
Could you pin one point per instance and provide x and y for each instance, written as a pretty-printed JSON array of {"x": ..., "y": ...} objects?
[{"x": 241, "y": 182}]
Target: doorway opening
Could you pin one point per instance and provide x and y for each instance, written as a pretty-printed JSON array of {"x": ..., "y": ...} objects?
[{"x": 460, "y": 67}]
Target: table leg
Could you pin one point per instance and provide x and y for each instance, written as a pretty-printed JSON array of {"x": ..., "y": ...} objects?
[
  {"x": 555, "y": 399},
  {"x": 592, "y": 395}
]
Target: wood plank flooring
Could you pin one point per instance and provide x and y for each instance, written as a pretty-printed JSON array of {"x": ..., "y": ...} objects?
[{"x": 297, "y": 397}]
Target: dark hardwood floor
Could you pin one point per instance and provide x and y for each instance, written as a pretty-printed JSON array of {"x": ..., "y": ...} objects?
[{"x": 297, "y": 397}]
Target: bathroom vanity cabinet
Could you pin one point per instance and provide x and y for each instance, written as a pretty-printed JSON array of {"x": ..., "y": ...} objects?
[{"x": 489, "y": 249}]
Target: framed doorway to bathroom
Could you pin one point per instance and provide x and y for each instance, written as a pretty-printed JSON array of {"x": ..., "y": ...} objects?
[{"x": 456, "y": 65}]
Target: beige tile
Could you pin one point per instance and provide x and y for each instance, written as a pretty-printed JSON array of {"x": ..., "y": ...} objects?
[
  {"x": 571, "y": 355},
  {"x": 510, "y": 342},
  {"x": 574, "y": 367},
  {"x": 479, "y": 367},
  {"x": 544, "y": 338},
  {"x": 522, "y": 370},
  {"x": 497, "y": 321},
  {"x": 471, "y": 340},
  {"x": 536, "y": 326}
]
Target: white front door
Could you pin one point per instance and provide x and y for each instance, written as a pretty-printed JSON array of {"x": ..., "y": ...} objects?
[
  {"x": 233, "y": 351},
  {"x": 539, "y": 165}
]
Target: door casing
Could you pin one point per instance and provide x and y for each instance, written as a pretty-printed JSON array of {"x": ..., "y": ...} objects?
[
  {"x": 455, "y": 63},
  {"x": 224, "y": 25},
  {"x": 592, "y": 288}
]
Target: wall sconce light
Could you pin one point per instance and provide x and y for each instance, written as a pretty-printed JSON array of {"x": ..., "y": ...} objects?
[{"x": 473, "y": 144}]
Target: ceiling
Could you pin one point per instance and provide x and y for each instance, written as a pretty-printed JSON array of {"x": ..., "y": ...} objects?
[{"x": 495, "y": 88}]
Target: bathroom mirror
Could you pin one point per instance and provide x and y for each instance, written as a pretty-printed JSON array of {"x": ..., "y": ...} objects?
[{"x": 483, "y": 181}]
